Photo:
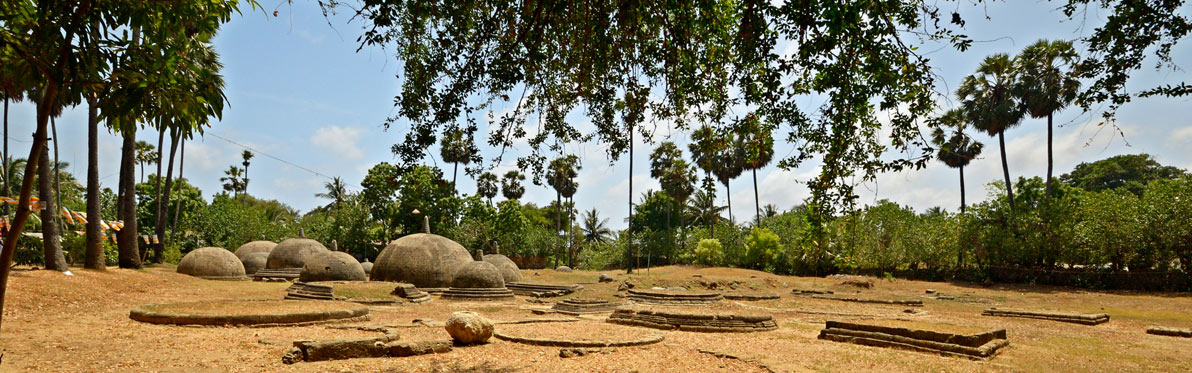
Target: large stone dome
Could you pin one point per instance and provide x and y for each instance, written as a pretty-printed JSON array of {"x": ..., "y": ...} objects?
[
  {"x": 254, "y": 262},
  {"x": 367, "y": 266},
  {"x": 212, "y": 263},
  {"x": 478, "y": 275},
  {"x": 255, "y": 247},
  {"x": 508, "y": 269},
  {"x": 423, "y": 259},
  {"x": 332, "y": 266},
  {"x": 292, "y": 253}
]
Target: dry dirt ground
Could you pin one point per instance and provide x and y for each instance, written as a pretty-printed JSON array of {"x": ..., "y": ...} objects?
[{"x": 77, "y": 323}]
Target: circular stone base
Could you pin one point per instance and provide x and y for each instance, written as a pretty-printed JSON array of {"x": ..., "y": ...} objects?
[
  {"x": 482, "y": 294},
  {"x": 663, "y": 297},
  {"x": 576, "y": 335},
  {"x": 248, "y": 312},
  {"x": 752, "y": 297}
]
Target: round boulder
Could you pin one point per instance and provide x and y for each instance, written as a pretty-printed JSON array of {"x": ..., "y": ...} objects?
[
  {"x": 212, "y": 263},
  {"x": 478, "y": 275},
  {"x": 367, "y": 266},
  {"x": 467, "y": 327},
  {"x": 293, "y": 252},
  {"x": 423, "y": 259},
  {"x": 508, "y": 268},
  {"x": 255, "y": 247},
  {"x": 254, "y": 262},
  {"x": 332, "y": 266}
]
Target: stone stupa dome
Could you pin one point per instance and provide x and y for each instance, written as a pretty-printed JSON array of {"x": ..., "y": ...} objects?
[
  {"x": 332, "y": 266},
  {"x": 212, "y": 263},
  {"x": 423, "y": 259},
  {"x": 509, "y": 271},
  {"x": 293, "y": 252}
]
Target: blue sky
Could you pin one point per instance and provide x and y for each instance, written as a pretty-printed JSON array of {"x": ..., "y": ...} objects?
[{"x": 300, "y": 91}]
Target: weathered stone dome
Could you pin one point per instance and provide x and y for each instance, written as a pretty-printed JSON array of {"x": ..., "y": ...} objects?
[
  {"x": 255, "y": 247},
  {"x": 423, "y": 259},
  {"x": 507, "y": 267},
  {"x": 212, "y": 263},
  {"x": 332, "y": 266},
  {"x": 367, "y": 266},
  {"x": 292, "y": 253},
  {"x": 254, "y": 262},
  {"x": 478, "y": 275}
]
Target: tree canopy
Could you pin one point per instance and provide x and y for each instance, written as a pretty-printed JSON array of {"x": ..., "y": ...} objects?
[{"x": 1131, "y": 171}]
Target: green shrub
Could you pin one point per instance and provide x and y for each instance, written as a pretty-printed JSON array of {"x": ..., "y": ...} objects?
[
  {"x": 709, "y": 252},
  {"x": 761, "y": 247}
]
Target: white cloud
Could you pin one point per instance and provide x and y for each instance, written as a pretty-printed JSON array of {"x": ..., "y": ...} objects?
[
  {"x": 340, "y": 142},
  {"x": 1181, "y": 136}
]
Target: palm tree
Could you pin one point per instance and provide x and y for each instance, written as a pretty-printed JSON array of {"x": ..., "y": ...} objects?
[
  {"x": 730, "y": 165},
  {"x": 511, "y": 186},
  {"x": 674, "y": 174},
  {"x": 487, "y": 185},
  {"x": 234, "y": 180},
  {"x": 561, "y": 175},
  {"x": 93, "y": 257},
  {"x": 989, "y": 103},
  {"x": 595, "y": 229},
  {"x": 52, "y": 244},
  {"x": 146, "y": 153},
  {"x": 704, "y": 210},
  {"x": 770, "y": 210},
  {"x": 757, "y": 143},
  {"x": 1047, "y": 84},
  {"x": 247, "y": 156},
  {"x": 957, "y": 150},
  {"x": 456, "y": 148},
  {"x": 336, "y": 191}
]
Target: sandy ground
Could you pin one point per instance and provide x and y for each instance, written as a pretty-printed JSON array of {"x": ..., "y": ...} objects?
[{"x": 77, "y": 323}]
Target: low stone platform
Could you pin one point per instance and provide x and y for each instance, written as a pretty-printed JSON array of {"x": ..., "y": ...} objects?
[
  {"x": 752, "y": 297},
  {"x": 1085, "y": 319},
  {"x": 410, "y": 293},
  {"x": 651, "y": 339},
  {"x": 908, "y": 302},
  {"x": 479, "y": 295},
  {"x": 1170, "y": 332},
  {"x": 585, "y": 306},
  {"x": 542, "y": 290},
  {"x": 303, "y": 290},
  {"x": 277, "y": 274},
  {"x": 810, "y": 292},
  {"x": 974, "y": 346},
  {"x": 384, "y": 346},
  {"x": 673, "y": 298},
  {"x": 691, "y": 322},
  {"x": 249, "y": 313}
]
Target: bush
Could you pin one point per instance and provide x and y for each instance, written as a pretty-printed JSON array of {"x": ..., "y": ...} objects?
[
  {"x": 761, "y": 247},
  {"x": 709, "y": 252}
]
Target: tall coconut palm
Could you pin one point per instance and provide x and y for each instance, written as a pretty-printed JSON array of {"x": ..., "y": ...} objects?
[
  {"x": 457, "y": 146},
  {"x": 247, "y": 157},
  {"x": 958, "y": 149},
  {"x": 1047, "y": 84},
  {"x": 511, "y": 186},
  {"x": 989, "y": 103},
  {"x": 757, "y": 145},
  {"x": 234, "y": 180},
  {"x": 93, "y": 257},
  {"x": 487, "y": 185},
  {"x": 704, "y": 209},
  {"x": 336, "y": 191},
  {"x": 146, "y": 153},
  {"x": 595, "y": 229}
]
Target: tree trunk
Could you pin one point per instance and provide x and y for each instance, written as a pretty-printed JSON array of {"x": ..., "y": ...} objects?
[
  {"x": 51, "y": 243},
  {"x": 161, "y": 134},
  {"x": 454, "y": 173},
  {"x": 728, "y": 193},
  {"x": 756, "y": 200},
  {"x": 962, "y": 190},
  {"x": 130, "y": 253},
  {"x": 245, "y": 177},
  {"x": 23, "y": 202},
  {"x": 163, "y": 206},
  {"x": 629, "y": 230},
  {"x": 1050, "y": 163},
  {"x": 6, "y": 157},
  {"x": 1001, "y": 138},
  {"x": 178, "y": 205},
  {"x": 558, "y": 224},
  {"x": 57, "y": 182},
  {"x": 94, "y": 258}
]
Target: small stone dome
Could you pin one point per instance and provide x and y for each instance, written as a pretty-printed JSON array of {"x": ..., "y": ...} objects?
[
  {"x": 423, "y": 259},
  {"x": 478, "y": 275},
  {"x": 367, "y": 266},
  {"x": 212, "y": 263},
  {"x": 254, "y": 262},
  {"x": 332, "y": 266},
  {"x": 255, "y": 247},
  {"x": 292, "y": 253},
  {"x": 508, "y": 268}
]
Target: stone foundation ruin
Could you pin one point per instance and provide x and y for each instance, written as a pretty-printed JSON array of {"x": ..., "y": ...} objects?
[
  {"x": 542, "y": 290},
  {"x": 673, "y": 298},
  {"x": 1170, "y": 332},
  {"x": 908, "y": 302},
  {"x": 975, "y": 346},
  {"x": 692, "y": 322},
  {"x": 301, "y": 290},
  {"x": 249, "y": 313},
  {"x": 586, "y": 306},
  {"x": 1085, "y": 319},
  {"x": 411, "y": 293}
]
